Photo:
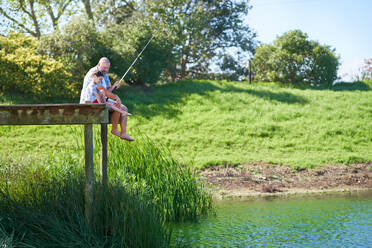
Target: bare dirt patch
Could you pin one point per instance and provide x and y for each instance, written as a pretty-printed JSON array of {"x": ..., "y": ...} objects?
[{"x": 261, "y": 178}]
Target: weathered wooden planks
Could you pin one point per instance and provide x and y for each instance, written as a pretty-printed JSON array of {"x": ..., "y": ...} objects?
[{"x": 53, "y": 114}]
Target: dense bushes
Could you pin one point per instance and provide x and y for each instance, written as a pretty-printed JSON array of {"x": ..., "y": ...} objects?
[
  {"x": 24, "y": 71},
  {"x": 55, "y": 65},
  {"x": 128, "y": 39},
  {"x": 293, "y": 58},
  {"x": 79, "y": 45}
]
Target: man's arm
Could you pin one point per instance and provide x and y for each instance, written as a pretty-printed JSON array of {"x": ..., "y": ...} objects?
[
  {"x": 115, "y": 86},
  {"x": 87, "y": 80},
  {"x": 87, "y": 94}
]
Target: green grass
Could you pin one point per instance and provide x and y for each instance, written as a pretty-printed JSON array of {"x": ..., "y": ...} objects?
[
  {"x": 42, "y": 203},
  {"x": 44, "y": 207},
  {"x": 209, "y": 122},
  {"x": 206, "y": 122}
]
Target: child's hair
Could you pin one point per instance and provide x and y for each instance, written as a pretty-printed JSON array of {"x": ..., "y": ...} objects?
[{"x": 97, "y": 72}]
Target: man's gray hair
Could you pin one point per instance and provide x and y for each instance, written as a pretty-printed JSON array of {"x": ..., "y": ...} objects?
[{"x": 104, "y": 60}]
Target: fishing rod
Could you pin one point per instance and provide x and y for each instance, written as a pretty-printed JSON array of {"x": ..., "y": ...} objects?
[{"x": 136, "y": 59}]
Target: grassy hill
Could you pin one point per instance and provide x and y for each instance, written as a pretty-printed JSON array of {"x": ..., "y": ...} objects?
[{"x": 215, "y": 122}]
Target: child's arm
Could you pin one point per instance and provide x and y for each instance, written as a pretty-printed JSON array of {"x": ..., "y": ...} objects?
[
  {"x": 116, "y": 106},
  {"x": 110, "y": 95}
]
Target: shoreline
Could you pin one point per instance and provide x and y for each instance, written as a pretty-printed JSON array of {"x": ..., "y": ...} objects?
[
  {"x": 234, "y": 194},
  {"x": 257, "y": 179}
]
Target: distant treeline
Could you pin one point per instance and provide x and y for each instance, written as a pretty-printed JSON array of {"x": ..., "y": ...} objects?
[{"x": 49, "y": 45}]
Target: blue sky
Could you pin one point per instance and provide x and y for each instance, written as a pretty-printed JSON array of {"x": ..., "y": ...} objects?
[{"x": 345, "y": 25}]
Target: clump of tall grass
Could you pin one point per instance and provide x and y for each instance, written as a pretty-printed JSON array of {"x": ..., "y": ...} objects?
[
  {"x": 44, "y": 206},
  {"x": 150, "y": 169}
]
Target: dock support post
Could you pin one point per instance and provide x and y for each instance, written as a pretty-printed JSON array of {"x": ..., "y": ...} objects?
[
  {"x": 103, "y": 154},
  {"x": 89, "y": 173}
]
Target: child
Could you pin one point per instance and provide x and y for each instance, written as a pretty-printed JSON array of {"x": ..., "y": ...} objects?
[{"x": 97, "y": 93}]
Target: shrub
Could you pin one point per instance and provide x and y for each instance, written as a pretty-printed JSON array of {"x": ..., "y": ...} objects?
[
  {"x": 24, "y": 71},
  {"x": 293, "y": 58}
]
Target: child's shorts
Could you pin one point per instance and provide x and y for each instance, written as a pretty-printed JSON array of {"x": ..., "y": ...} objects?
[{"x": 108, "y": 100}]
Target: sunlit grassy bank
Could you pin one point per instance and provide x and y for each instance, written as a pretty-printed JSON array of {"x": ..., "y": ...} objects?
[
  {"x": 210, "y": 122},
  {"x": 216, "y": 122}
]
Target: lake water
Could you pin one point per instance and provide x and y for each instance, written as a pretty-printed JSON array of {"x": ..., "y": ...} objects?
[{"x": 326, "y": 220}]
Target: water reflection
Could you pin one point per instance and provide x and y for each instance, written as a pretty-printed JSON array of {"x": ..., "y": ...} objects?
[{"x": 337, "y": 220}]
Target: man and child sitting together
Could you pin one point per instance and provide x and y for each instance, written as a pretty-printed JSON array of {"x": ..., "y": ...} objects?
[{"x": 97, "y": 88}]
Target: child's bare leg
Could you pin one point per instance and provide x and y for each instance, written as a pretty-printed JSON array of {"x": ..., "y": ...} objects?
[{"x": 114, "y": 122}]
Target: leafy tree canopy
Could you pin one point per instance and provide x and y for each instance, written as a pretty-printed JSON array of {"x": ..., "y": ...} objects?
[
  {"x": 35, "y": 17},
  {"x": 189, "y": 35},
  {"x": 202, "y": 30},
  {"x": 198, "y": 31},
  {"x": 293, "y": 58}
]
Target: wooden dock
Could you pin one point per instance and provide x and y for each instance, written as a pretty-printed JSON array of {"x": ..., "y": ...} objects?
[{"x": 68, "y": 114}]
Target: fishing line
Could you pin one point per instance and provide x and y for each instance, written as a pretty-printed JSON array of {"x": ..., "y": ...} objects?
[{"x": 136, "y": 59}]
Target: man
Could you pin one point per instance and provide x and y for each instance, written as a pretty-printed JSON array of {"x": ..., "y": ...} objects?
[{"x": 103, "y": 66}]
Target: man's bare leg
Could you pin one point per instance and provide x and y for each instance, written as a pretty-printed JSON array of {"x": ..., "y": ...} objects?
[
  {"x": 114, "y": 122},
  {"x": 123, "y": 125}
]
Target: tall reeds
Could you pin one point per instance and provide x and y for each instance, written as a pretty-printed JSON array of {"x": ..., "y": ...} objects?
[
  {"x": 45, "y": 208},
  {"x": 150, "y": 169},
  {"x": 42, "y": 205}
]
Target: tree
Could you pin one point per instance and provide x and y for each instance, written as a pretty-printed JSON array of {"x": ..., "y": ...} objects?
[
  {"x": 128, "y": 39},
  {"x": 190, "y": 34},
  {"x": 231, "y": 68},
  {"x": 88, "y": 9},
  {"x": 56, "y": 9},
  {"x": 200, "y": 30},
  {"x": 35, "y": 16},
  {"x": 293, "y": 58},
  {"x": 79, "y": 46},
  {"x": 115, "y": 11}
]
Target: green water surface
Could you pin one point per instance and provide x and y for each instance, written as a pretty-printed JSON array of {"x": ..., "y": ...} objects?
[{"x": 326, "y": 220}]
